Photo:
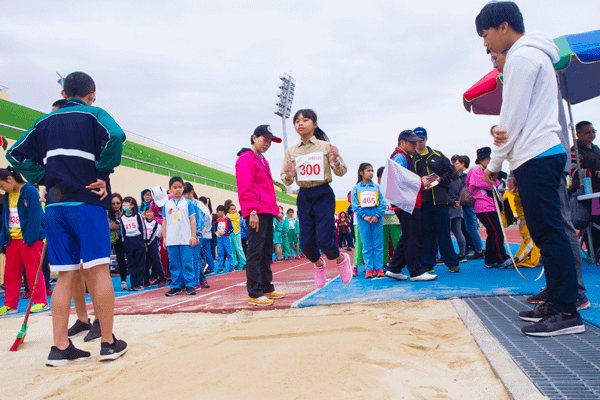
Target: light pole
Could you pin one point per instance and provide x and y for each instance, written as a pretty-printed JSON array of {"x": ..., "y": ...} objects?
[{"x": 284, "y": 106}]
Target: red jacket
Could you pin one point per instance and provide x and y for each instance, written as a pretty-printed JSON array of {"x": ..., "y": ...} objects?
[{"x": 255, "y": 184}]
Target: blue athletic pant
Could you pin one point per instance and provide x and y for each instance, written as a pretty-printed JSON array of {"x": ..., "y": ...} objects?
[
  {"x": 316, "y": 217},
  {"x": 206, "y": 253},
  {"x": 538, "y": 180},
  {"x": 471, "y": 227},
  {"x": 372, "y": 244},
  {"x": 224, "y": 247},
  {"x": 181, "y": 266}
]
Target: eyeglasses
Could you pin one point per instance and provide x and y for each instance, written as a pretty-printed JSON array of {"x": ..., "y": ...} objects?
[{"x": 494, "y": 58}]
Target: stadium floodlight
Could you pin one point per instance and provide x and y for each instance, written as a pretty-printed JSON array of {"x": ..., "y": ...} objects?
[{"x": 284, "y": 106}]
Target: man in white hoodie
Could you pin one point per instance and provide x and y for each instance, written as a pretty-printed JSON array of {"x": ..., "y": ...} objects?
[{"x": 530, "y": 117}]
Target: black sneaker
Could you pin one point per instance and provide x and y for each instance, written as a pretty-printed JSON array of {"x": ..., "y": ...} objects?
[
  {"x": 556, "y": 324},
  {"x": 439, "y": 261},
  {"x": 470, "y": 254},
  {"x": 462, "y": 258},
  {"x": 538, "y": 298},
  {"x": 79, "y": 327},
  {"x": 173, "y": 292},
  {"x": 112, "y": 351},
  {"x": 190, "y": 290},
  {"x": 476, "y": 255},
  {"x": 540, "y": 311},
  {"x": 94, "y": 333},
  {"x": 205, "y": 285},
  {"x": 454, "y": 268},
  {"x": 58, "y": 358},
  {"x": 136, "y": 288},
  {"x": 583, "y": 303}
]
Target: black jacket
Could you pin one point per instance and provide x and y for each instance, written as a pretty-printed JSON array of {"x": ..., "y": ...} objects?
[
  {"x": 590, "y": 161},
  {"x": 434, "y": 162}
]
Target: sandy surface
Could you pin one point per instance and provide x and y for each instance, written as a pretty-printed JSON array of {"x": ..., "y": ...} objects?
[{"x": 392, "y": 350}]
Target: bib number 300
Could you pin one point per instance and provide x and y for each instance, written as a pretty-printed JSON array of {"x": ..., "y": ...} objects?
[{"x": 309, "y": 167}]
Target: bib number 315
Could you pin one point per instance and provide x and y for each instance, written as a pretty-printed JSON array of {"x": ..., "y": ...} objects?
[{"x": 309, "y": 167}]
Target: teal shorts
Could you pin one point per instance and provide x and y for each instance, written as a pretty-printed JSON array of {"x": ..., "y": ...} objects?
[{"x": 277, "y": 238}]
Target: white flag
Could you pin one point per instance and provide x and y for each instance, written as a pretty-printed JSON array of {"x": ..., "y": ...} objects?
[{"x": 400, "y": 186}]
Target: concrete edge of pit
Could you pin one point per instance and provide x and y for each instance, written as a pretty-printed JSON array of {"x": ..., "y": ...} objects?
[{"x": 517, "y": 384}]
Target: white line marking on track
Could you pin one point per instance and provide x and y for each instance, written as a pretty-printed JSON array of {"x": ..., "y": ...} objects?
[
  {"x": 295, "y": 304},
  {"x": 217, "y": 291}
]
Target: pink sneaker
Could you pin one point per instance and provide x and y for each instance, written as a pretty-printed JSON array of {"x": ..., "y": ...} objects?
[
  {"x": 345, "y": 269},
  {"x": 354, "y": 271},
  {"x": 320, "y": 276}
]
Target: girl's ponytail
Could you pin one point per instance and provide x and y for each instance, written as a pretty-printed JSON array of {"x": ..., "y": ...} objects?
[
  {"x": 319, "y": 134},
  {"x": 10, "y": 171}
]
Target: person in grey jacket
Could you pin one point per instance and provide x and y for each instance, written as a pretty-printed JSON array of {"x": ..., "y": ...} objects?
[{"x": 455, "y": 213}]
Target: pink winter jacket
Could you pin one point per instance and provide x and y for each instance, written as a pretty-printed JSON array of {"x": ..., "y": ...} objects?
[
  {"x": 483, "y": 202},
  {"x": 255, "y": 184}
]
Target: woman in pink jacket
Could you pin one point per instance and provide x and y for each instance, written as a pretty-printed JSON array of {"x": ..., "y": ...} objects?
[
  {"x": 258, "y": 204},
  {"x": 495, "y": 253}
]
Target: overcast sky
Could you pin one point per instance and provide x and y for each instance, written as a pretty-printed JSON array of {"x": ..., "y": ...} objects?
[{"x": 201, "y": 75}]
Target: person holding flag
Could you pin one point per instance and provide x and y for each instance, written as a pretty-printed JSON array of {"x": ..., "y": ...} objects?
[{"x": 401, "y": 185}]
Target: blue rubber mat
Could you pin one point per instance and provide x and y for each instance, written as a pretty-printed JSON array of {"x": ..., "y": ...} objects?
[
  {"x": 474, "y": 280},
  {"x": 562, "y": 367}
]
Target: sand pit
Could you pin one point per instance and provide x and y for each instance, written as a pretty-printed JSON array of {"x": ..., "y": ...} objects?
[{"x": 392, "y": 350}]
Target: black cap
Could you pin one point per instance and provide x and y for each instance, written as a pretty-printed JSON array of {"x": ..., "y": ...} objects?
[
  {"x": 483, "y": 153},
  {"x": 265, "y": 130},
  {"x": 409, "y": 135}
]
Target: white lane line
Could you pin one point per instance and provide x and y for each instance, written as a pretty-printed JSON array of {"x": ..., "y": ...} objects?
[
  {"x": 217, "y": 291},
  {"x": 295, "y": 304}
]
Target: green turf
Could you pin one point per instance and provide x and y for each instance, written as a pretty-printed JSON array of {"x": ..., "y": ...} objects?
[{"x": 23, "y": 117}]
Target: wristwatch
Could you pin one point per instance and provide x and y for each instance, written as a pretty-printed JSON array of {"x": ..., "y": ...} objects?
[{"x": 253, "y": 212}]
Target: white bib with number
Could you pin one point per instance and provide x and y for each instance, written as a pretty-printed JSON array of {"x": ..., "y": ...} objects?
[
  {"x": 292, "y": 224},
  {"x": 13, "y": 218},
  {"x": 131, "y": 226},
  {"x": 221, "y": 226},
  {"x": 309, "y": 167},
  {"x": 368, "y": 199},
  {"x": 388, "y": 208}
]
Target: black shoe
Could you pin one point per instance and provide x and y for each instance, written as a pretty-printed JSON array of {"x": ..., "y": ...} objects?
[
  {"x": 540, "y": 311},
  {"x": 58, "y": 358},
  {"x": 204, "y": 285},
  {"x": 79, "y": 327},
  {"x": 583, "y": 303},
  {"x": 190, "y": 290},
  {"x": 470, "y": 254},
  {"x": 94, "y": 333},
  {"x": 556, "y": 324},
  {"x": 112, "y": 351},
  {"x": 476, "y": 255},
  {"x": 538, "y": 298},
  {"x": 454, "y": 268},
  {"x": 173, "y": 292},
  {"x": 136, "y": 288},
  {"x": 462, "y": 258},
  {"x": 439, "y": 261}
]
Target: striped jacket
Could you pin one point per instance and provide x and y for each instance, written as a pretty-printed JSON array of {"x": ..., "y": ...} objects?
[{"x": 69, "y": 149}]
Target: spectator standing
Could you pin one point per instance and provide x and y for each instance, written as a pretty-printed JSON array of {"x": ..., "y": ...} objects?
[{"x": 434, "y": 206}]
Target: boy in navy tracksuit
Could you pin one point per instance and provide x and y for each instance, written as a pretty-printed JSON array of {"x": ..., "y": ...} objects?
[
  {"x": 72, "y": 151},
  {"x": 154, "y": 235},
  {"x": 224, "y": 228}
]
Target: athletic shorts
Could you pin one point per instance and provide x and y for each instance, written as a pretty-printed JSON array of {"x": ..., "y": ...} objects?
[
  {"x": 293, "y": 238},
  {"x": 77, "y": 234},
  {"x": 277, "y": 238}
]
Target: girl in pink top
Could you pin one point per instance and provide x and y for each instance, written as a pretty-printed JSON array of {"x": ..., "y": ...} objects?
[{"x": 485, "y": 209}]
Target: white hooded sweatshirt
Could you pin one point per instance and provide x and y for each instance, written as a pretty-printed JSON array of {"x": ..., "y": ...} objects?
[{"x": 530, "y": 110}]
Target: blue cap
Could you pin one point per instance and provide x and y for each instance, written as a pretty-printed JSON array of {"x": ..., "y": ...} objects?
[
  {"x": 409, "y": 135},
  {"x": 421, "y": 132}
]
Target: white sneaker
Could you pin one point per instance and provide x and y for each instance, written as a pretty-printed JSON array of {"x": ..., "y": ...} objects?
[
  {"x": 396, "y": 275},
  {"x": 123, "y": 285},
  {"x": 425, "y": 276}
]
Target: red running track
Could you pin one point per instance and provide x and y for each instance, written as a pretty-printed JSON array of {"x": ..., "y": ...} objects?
[{"x": 227, "y": 292}]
